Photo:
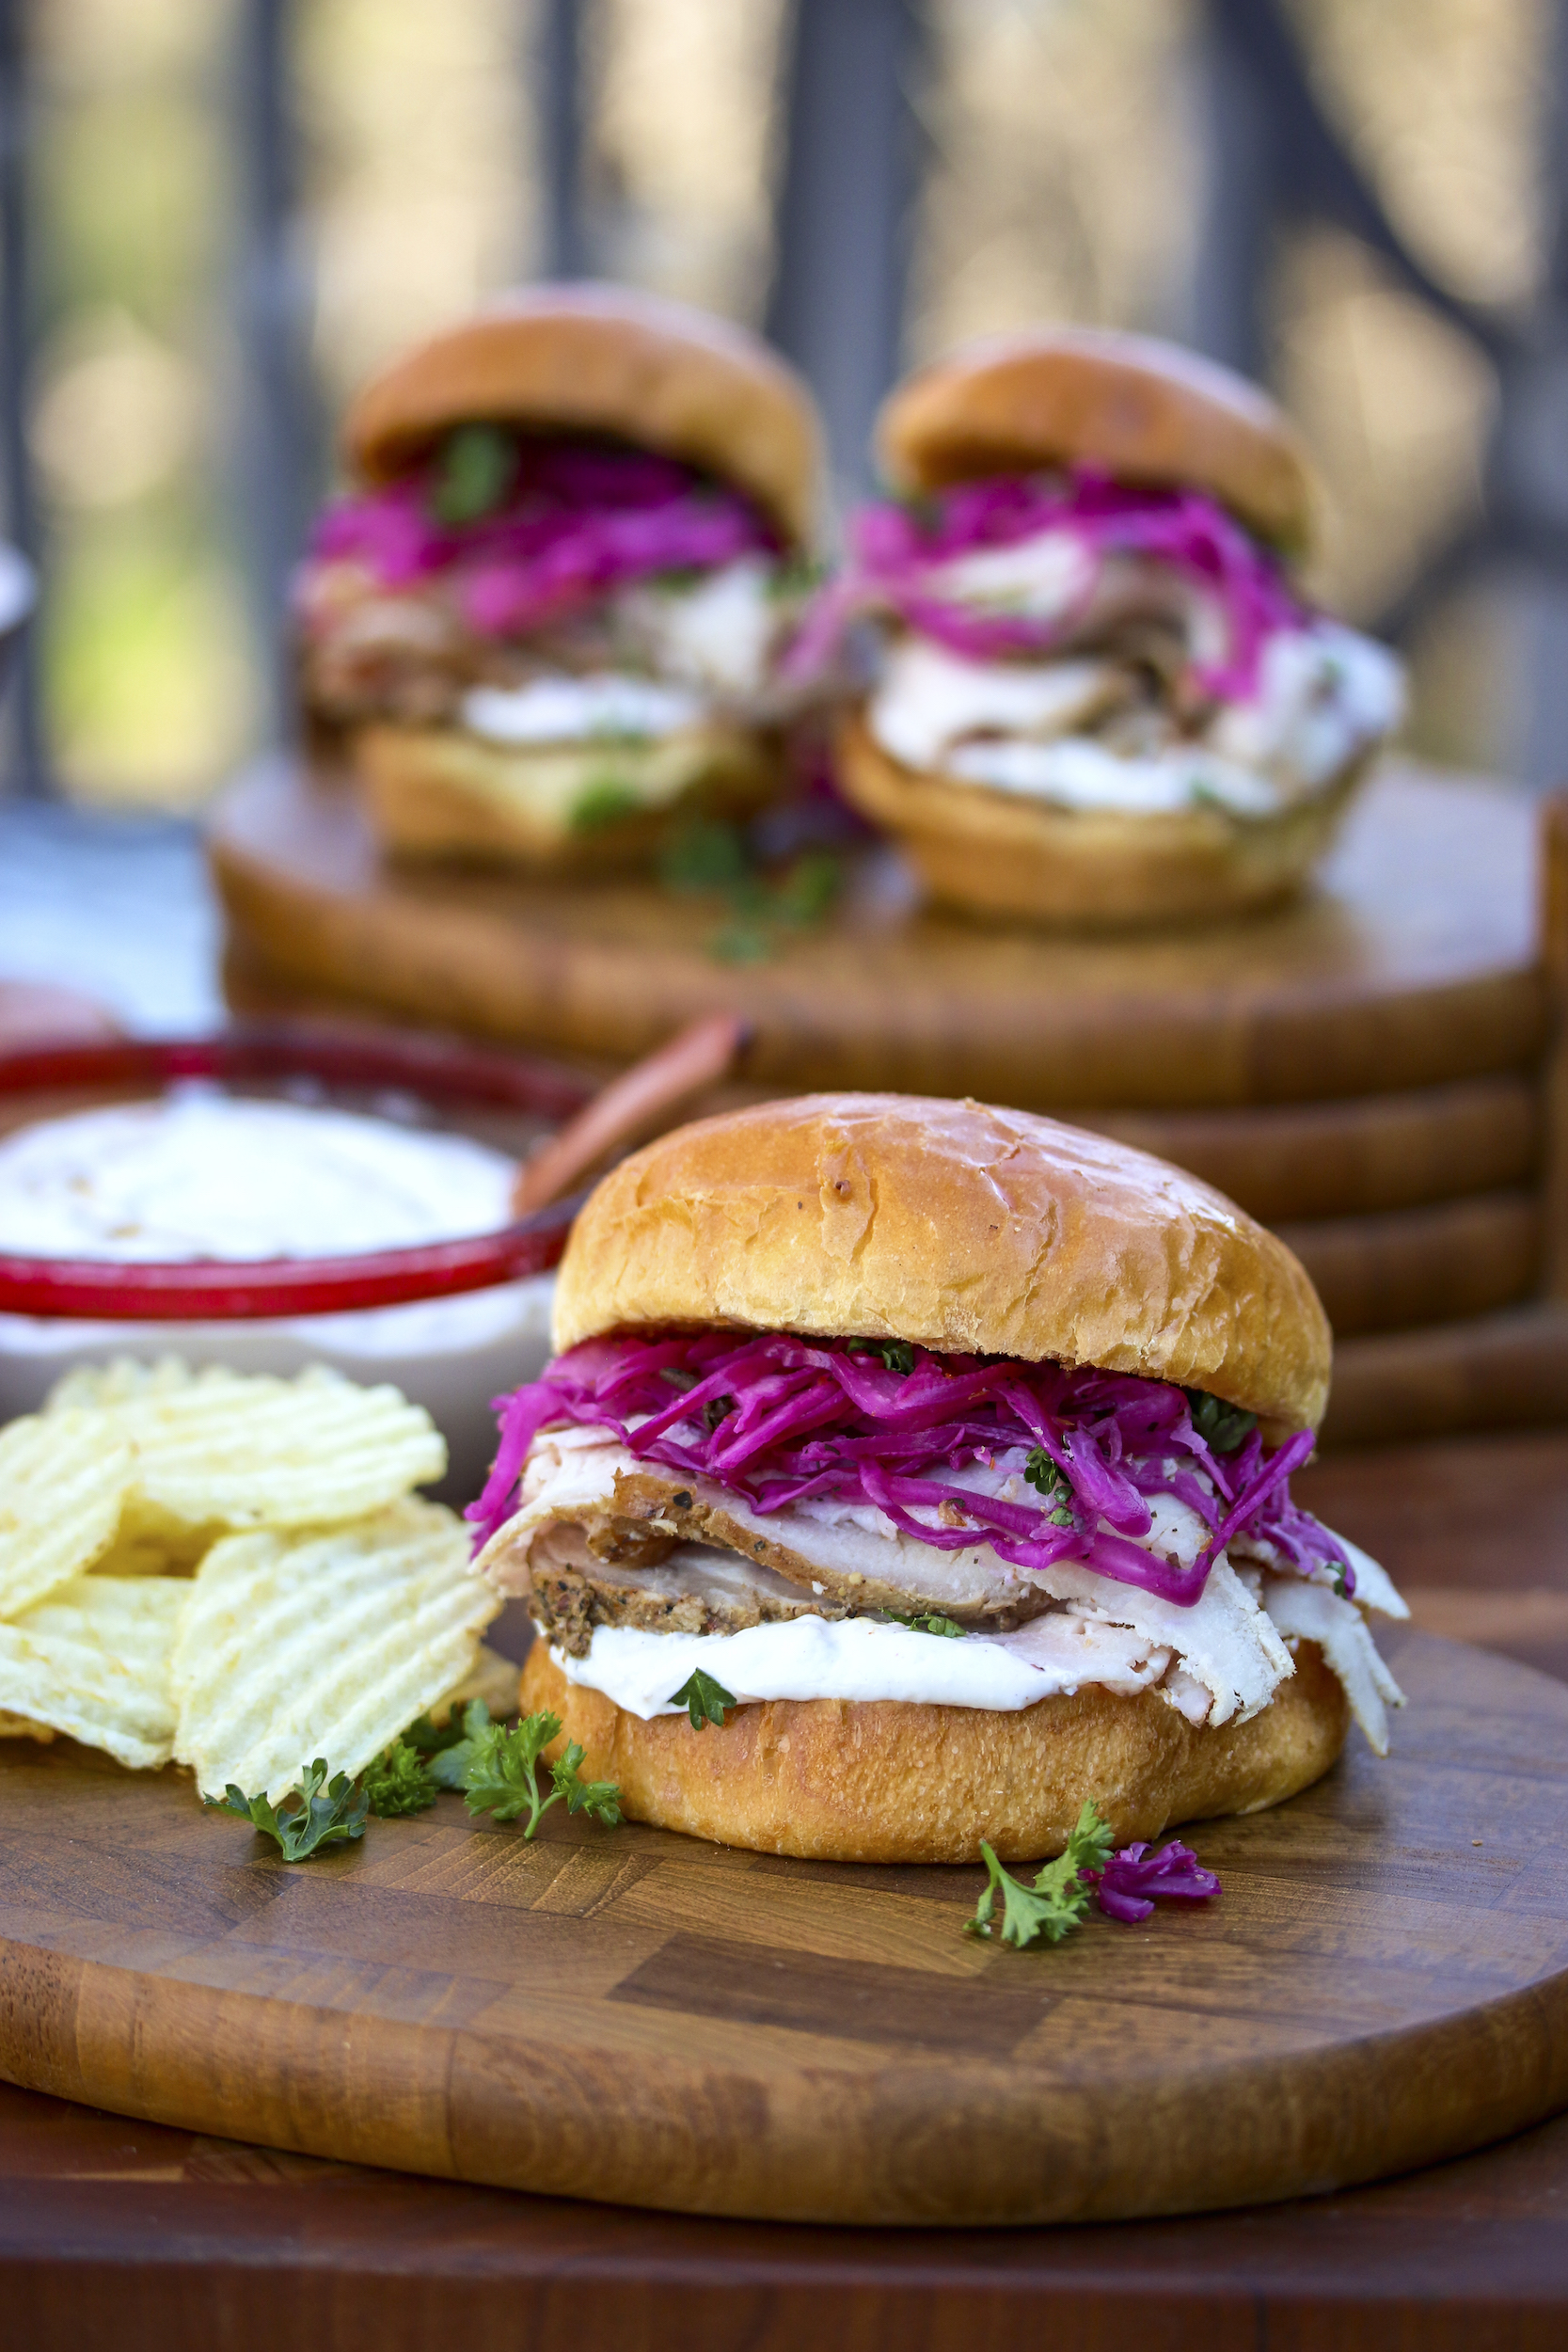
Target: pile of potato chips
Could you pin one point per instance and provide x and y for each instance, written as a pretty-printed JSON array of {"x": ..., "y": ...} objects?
[{"x": 232, "y": 1571}]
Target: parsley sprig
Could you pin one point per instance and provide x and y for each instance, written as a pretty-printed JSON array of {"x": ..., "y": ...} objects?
[
  {"x": 322, "y": 1813},
  {"x": 1059, "y": 1897},
  {"x": 705, "y": 1700},
  {"x": 399, "y": 1783},
  {"x": 501, "y": 1775},
  {"x": 710, "y": 858}
]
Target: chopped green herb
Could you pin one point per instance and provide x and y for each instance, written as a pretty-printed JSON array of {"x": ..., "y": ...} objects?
[
  {"x": 926, "y": 1621},
  {"x": 322, "y": 1813},
  {"x": 705, "y": 1700},
  {"x": 400, "y": 1782},
  {"x": 796, "y": 575},
  {"x": 1059, "y": 1897},
  {"x": 603, "y": 802},
  {"x": 1052, "y": 1481},
  {"x": 1225, "y": 1427},
  {"x": 502, "y": 1776},
  {"x": 474, "y": 470},
  {"x": 709, "y": 858},
  {"x": 896, "y": 1355}
]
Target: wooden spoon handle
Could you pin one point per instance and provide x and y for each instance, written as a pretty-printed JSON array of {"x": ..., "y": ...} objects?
[{"x": 636, "y": 1105}]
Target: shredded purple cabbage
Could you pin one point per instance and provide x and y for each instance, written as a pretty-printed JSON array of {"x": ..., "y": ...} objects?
[
  {"x": 778, "y": 1421},
  {"x": 1134, "y": 1880},
  {"x": 581, "y": 520},
  {"x": 894, "y": 551}
]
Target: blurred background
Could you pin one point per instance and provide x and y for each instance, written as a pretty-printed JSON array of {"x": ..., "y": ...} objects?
[{"x": 219, "y": 215}]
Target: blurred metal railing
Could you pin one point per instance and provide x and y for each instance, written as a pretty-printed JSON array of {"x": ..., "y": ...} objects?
[{"x": 845, "y": 210}]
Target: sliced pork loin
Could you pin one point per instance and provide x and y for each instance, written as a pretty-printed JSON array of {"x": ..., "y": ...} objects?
[
  {"x": 695, "y": 1588},
  {"x": 596, "y": 1523}
]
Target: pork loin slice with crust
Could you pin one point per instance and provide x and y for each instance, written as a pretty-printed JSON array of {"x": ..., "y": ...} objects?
[
  {"x": 591, "y": 1506},
  {"x": 694, "y": 1589},
  {"x": 630, "y": 1514}
]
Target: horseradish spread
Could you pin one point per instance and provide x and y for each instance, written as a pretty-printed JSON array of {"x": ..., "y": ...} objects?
[{"x": 202, "y": 1174}]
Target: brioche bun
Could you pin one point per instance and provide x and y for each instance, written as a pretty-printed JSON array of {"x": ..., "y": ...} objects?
[
  {"x": 598, "y": 359},
  {"x": 438, "y": 792},
  {"x": 885, "y": 1781},
  {"x": 1147, "y": 412},
  {"x": 1086, "y": 869},
  {"x": 966, "y": 1229}
]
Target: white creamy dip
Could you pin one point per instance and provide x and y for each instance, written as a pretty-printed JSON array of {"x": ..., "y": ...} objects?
[{"x": 202, "y": 1174}]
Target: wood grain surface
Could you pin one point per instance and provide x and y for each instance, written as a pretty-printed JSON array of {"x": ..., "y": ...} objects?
[
  {"x": 1375, "y": 1152},
  {"x": 1416, "y": 964},
  {"x": 1448, "y": 1259},
  {"x": 155, "y": 2238},
  {"x": 632, "y": 2016},
  {"x": 1489, "y": 1372}
]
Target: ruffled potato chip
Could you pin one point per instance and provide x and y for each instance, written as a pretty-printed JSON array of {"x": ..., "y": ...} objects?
[
  {"x": 63, "y": 1481},
  {"x": 324, "y": 1641},
  {"x": 93, "y": 1661},
  {"x": 218, "y": 1449}
]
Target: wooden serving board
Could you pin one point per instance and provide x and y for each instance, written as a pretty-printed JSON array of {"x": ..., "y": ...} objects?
[
  {"x": 1414, "y": 965},
  {"x": 630, "y": 2016}
]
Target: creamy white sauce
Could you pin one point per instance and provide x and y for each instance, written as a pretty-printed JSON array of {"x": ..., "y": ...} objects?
[
  {"x": 1325, "y": 695},
  {"x": 565, "y": 710},
  {"x": 200, "y": 1174},
  {"x": 1080, "y": 774},
  {"x": 863, "y": 1658}
]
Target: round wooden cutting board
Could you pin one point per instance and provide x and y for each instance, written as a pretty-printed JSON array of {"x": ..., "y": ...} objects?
[
  {"x": 627, "y": 2015},
  {"x": 1415, "y": 963}
]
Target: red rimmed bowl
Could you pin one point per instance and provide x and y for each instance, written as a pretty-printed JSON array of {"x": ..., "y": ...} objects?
[{"x": 451, "y": 1322}]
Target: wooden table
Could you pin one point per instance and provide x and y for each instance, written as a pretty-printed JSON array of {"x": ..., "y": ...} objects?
[{"x": 155, "y": 2237}]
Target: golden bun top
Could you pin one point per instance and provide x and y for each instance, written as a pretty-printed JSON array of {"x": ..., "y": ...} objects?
[
  {"x": 1147, "y": 412},
  {"x": 966, "y": 1229},
  {"x": 598, "y": 359}
]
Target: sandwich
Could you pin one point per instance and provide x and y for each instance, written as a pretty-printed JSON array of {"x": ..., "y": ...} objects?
[
  {"x": 548, "y": 617},
  {"x": 1099, "y": 701},
  {"x": 909, "y": 1472}
]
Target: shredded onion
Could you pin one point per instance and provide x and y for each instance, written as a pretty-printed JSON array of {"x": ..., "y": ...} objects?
[
  {"x": 895, "y": 550},
  {"x": 792, "y": 1420},
  {"x": 579, "y": 520}
]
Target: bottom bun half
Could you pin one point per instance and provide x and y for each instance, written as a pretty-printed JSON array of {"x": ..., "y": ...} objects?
[
  {"x": 438, "y": 792},
  {"x": 1003, "y": 854},
  {"x": 881, "y": 1781}
]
